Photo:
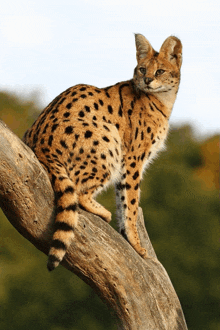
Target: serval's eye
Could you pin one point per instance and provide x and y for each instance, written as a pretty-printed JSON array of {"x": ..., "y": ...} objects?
[
  {"x": 159, "y": 72},
  {"x": 142, "y": 70}
]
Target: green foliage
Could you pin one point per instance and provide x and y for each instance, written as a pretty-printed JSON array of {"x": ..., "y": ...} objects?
[
  {"x": 17, "y": 113},
  {"x": 182, "y": 220}
]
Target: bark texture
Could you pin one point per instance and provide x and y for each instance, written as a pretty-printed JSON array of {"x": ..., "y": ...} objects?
[{"x": 138, "y": 292}]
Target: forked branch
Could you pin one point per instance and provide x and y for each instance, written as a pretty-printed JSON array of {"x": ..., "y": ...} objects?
[{"x": 138, "y": 292}]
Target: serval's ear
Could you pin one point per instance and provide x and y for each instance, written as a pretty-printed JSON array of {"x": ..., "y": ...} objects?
[
  {"x": 144, "y": 48},
  {"x": 172, "y": 50}
]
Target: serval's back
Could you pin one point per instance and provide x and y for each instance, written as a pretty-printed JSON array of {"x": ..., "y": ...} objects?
[{"x": 89, "y": 137}]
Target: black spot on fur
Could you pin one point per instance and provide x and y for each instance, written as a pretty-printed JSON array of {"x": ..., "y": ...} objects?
[
  {"x": 142, "y": 156},
  {"x": 84, "y": 180},
  {"x": 69, "y": 105},
  {"x": 133, "y": 164},
  {"x": 110, "y": 110},
  {"x": 50, "y": 140},
  {"x": 87, "y": 108},
  {"x": 127, "y": 186},
  {"x": 136, "y": 187},
  {"x": 81, "y": 114},
  {"x": 88, "y": 134},
  {"x": 120, "y": 111},
  {"x": 44, "y": 150},
  {"x": 53, "y": 127},
  {"x": 105, "y": 139},
  {"x": 136, "y": 174},
  {"x": 63, "y": 144},
  {"x": 66, "y": 114},
  {"x": 59, "y": 152},
  {"x": 69, "y": 130},
  {"x": 106, "y": 128}
]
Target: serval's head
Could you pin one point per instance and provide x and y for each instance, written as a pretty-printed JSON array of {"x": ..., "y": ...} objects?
[{"x": 157, "y": 72}]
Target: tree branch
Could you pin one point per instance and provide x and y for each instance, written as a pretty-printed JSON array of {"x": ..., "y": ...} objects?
[{"x": 139, "y": 292}]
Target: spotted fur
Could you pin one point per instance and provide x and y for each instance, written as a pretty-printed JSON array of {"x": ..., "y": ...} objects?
[{"x": 89, "y": 137}]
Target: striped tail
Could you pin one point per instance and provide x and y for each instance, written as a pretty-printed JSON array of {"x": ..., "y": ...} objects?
[{"x": 65, "y": 221}]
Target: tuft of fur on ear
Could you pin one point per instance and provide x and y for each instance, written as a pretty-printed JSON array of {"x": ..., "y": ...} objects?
[
  {"x": 172, "y": 50},
  {"x": 144, "y": 48}
]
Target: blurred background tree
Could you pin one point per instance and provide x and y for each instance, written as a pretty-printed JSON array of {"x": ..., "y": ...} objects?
[{"x": 181, "y": 208}]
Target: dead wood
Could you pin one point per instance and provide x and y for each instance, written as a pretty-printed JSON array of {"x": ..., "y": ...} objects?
[{"x": 138, "y": 292}]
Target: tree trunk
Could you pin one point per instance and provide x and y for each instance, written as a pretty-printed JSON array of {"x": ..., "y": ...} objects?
[{"x": 139, "y": 292}]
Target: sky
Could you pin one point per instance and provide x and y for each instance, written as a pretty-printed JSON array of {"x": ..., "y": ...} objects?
[{"x": 48, "y": 46}]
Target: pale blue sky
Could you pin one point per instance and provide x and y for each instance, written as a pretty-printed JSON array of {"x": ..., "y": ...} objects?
[{"x": 52, "y": 45}]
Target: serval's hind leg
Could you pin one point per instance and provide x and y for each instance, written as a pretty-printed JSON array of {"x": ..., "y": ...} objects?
[{"x": 89, "y": 204}]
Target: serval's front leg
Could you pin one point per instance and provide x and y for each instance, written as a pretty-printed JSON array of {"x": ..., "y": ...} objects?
[{"x": 127, "y": 201}]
